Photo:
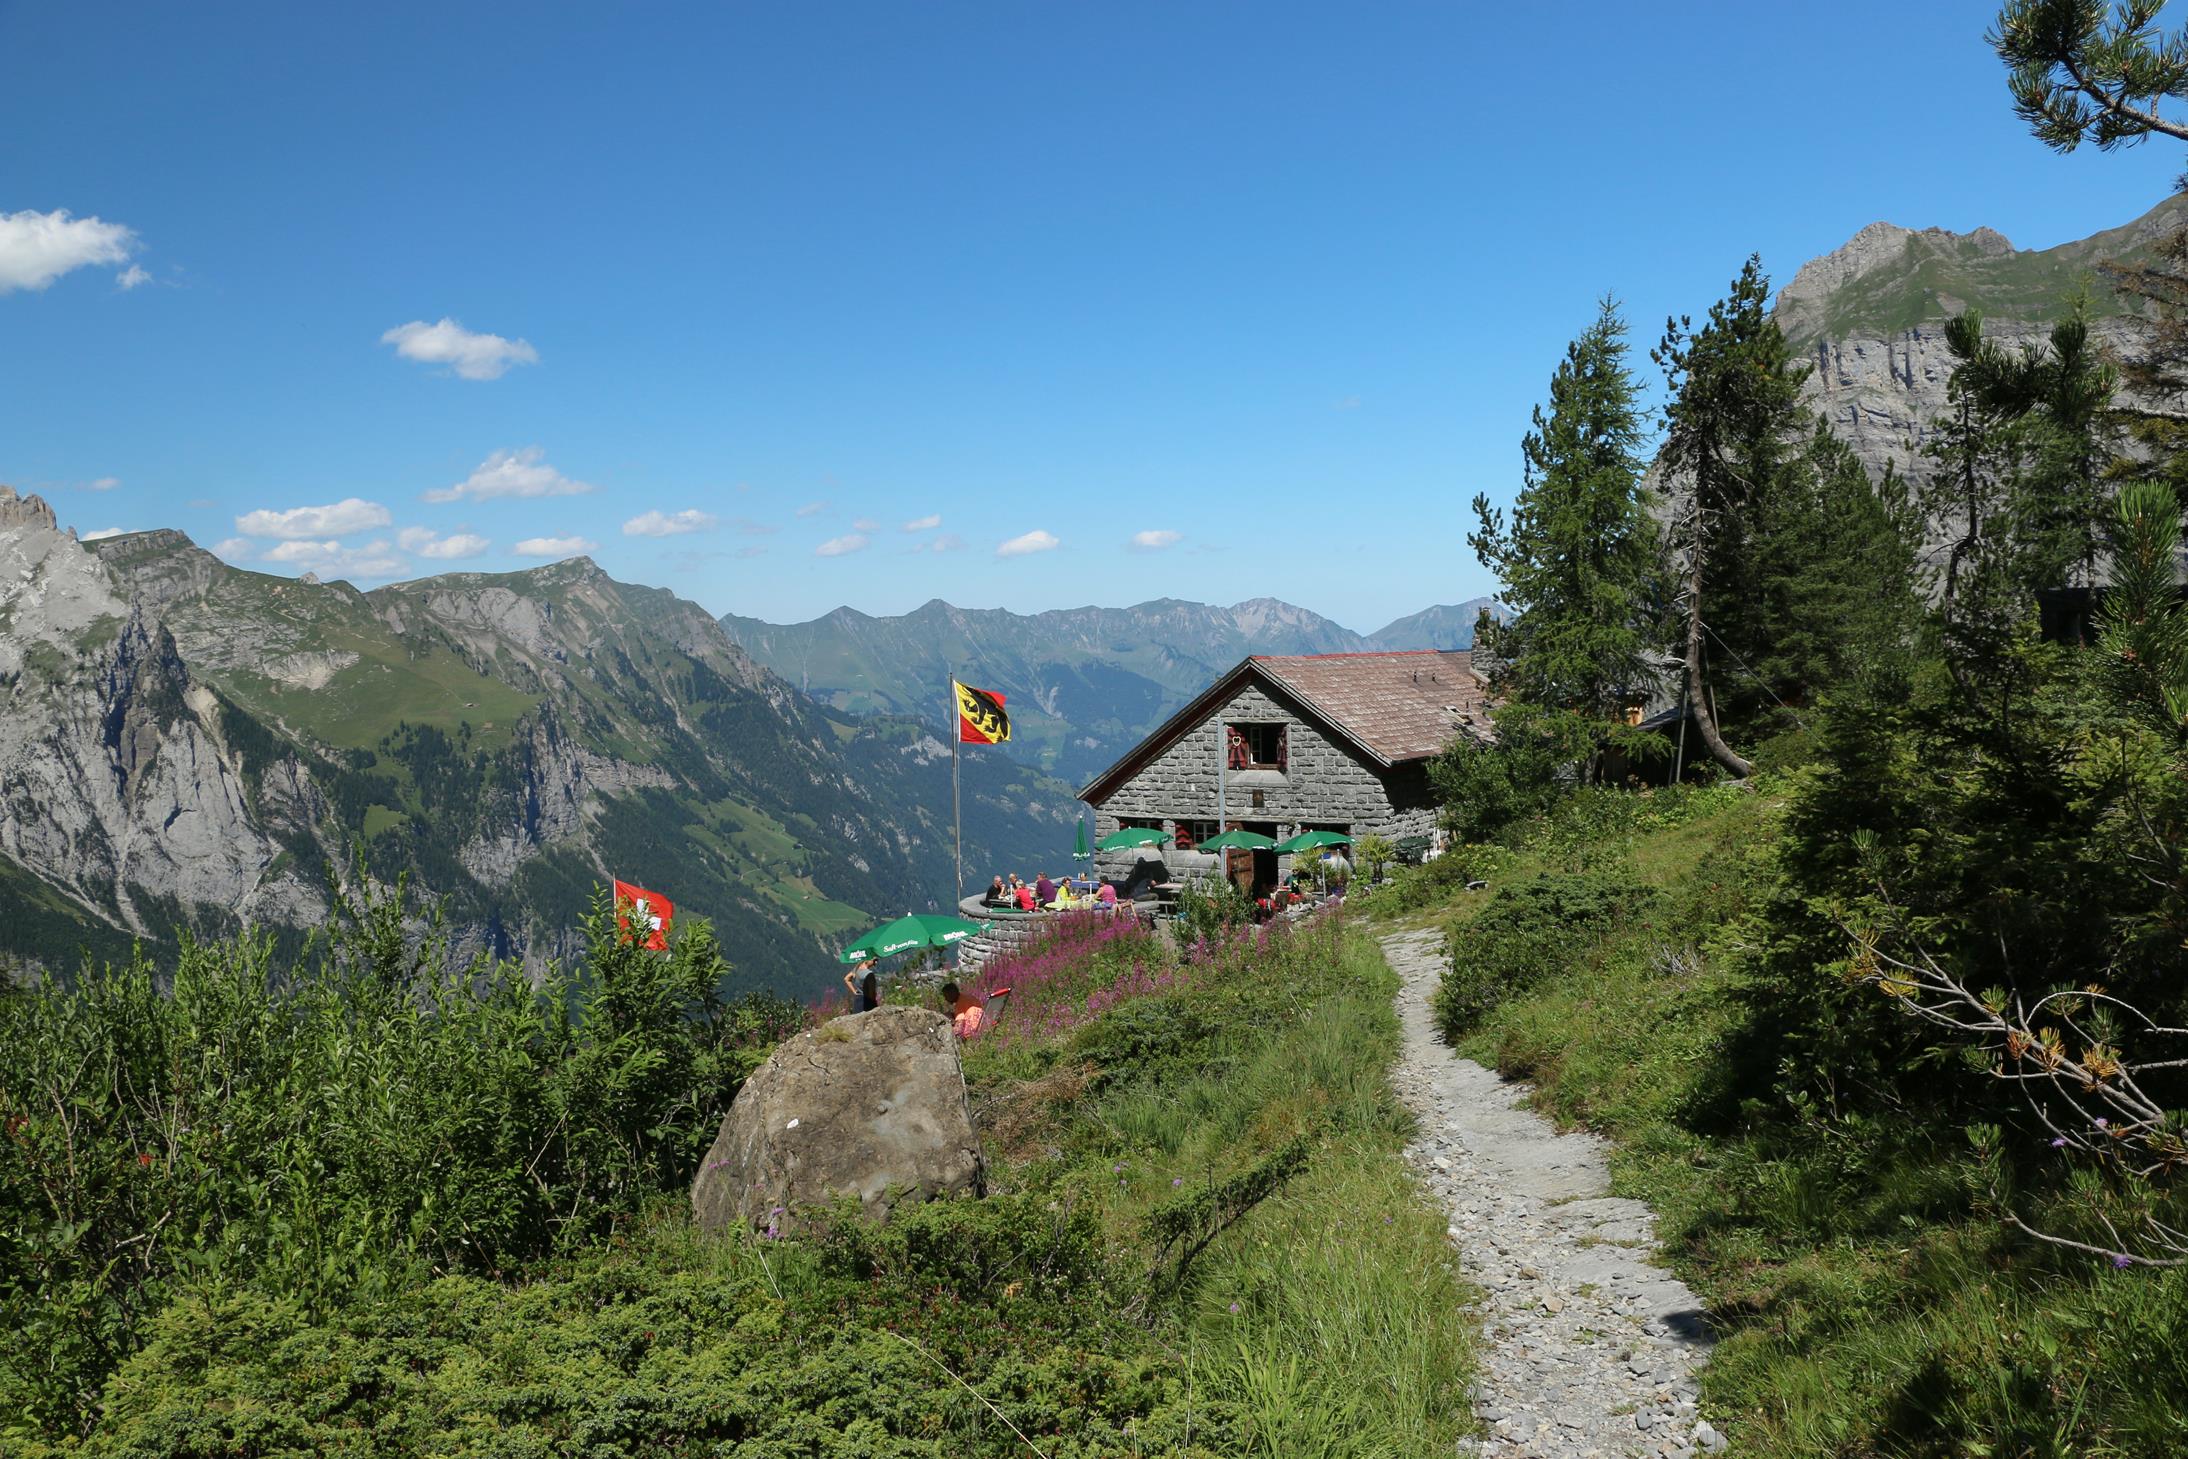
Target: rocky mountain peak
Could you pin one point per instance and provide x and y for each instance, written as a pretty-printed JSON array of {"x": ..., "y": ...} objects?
[
  {"x": 1877, "y": 247},
  {"x": 1869, "y": 316},
  {"x": 25, "y": 511}
]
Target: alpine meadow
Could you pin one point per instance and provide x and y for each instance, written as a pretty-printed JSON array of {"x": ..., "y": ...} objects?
[{"x": 667, "y": 788}]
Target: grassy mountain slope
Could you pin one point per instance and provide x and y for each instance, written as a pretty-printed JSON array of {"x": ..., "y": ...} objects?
[
  {"x": 1889, "y": 279},
  {"x": 1867, "y": 1296},
  {"x": 1445, "y": 626},
  {"x": 1198, "y": 1238},
  {"x": 508, "y": 739}
]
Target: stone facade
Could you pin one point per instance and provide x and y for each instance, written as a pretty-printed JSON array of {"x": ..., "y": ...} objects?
[{"x": 1326, "y": 783}]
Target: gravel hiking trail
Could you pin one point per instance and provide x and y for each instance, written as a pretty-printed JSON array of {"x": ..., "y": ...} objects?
[{"x": 1588, "y": 1348}]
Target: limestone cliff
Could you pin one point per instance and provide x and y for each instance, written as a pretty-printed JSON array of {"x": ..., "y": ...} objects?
[
  {"x": 184, "y": 744},
  {"x": 115, "y": 786},
  {"x": 1870, "y": 316}
]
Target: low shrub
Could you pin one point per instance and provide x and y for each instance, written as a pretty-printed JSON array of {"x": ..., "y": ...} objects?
[
  {"x": 336, "y": 1133},
  {"x": 1210, "y": 907},
  {"x": 935, "y": 1337},
  {"x": 1530, "y": 932},
  {"x": 1190, "y": 1128}
]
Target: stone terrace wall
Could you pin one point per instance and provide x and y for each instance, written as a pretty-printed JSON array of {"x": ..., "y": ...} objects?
[{"x": 1002, "y": 937}]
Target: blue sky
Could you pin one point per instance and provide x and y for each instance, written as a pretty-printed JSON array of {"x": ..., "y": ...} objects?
[{"x": 744, "y": 294}]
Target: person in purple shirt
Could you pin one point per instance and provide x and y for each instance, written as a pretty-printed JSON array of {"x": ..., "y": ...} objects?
[{"x": 1044, "y": 891}]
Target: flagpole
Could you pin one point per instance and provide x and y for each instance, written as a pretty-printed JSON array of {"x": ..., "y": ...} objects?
[
  {"x": 957, "y": 813},
  {"x": 1223, "y": 765}
]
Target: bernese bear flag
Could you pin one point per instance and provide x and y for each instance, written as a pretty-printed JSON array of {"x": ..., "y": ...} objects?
[{"x": 981, "y": 718}]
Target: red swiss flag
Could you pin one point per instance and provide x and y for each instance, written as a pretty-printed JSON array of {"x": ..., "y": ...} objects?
[{"x": 644, "y": 915}]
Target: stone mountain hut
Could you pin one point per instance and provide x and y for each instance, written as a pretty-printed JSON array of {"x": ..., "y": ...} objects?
[{"x": 1314, "y": 742}]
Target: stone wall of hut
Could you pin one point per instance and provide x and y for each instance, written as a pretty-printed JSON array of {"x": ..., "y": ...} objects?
[{"x": 1325, "y": 782}]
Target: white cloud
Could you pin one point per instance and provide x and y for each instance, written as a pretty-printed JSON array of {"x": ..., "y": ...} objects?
[
  {"x": 37, "y": 248},
  {"x": 511, "y": 473},
  {"x": 235, "y": 549},
  {"x": 373, "y": 560},
  {"x": 1154, "y": 541},
  {"x": 98, "y": 483},
  {"x": 866, "y": 524},
  {"x": 131, "y": 277},
  {"x": 812, "y": 509},
  {"x": 838, "y": 546},
  {"x": 669, "y": 524},
  {"x": 1349, "y": 402},
  {"x": 947, "y": 542},
  {"x": 471, "y": 355},
  {"x": 1027, "y": 542},
  {"x": 922, "y": 524},
  {"x": 754, "y": 529},
  {"x": 750, "y": 552},
  {"x": 554, "y": 546},
  {"x": 301, "y": 551},
  {"x": 338, "y": 520},
  {"x": 428, "y": 543},
  {"x": 103, "y": 532}
]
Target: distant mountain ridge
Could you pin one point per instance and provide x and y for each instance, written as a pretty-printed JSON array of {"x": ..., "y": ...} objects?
[
  {"x": 185, "y": 744},
  {"x": 1084, "y": 684},
  {"x": 1446, "y": 626}
]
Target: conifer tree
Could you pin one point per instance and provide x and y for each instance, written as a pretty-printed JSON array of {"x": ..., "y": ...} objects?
[
  {"x": 1578, "y": 558},
  {"x": 2084, "y": 71},
  {"x": 2068, "y": 413},
  {"x": 1734, "y": 426},
  {"x": 1834, "y": 573}
]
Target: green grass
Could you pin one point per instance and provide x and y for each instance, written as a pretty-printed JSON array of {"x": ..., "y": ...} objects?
[
  {"x": 1245, "y": 1101},
  {"x": 1332, "y": 1315},
  {"x": 1867, "y": 1305},
  {"x": 380, "y": 818},
  {"x": 388, "y": 687}
]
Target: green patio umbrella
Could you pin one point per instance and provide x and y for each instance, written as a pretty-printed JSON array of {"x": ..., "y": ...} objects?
[
  {"x": 1239, "y": 841},
  {"x": 1313, "y": 841},
  {"x": 906, "y": 933},
  {"x": 1078, "y": 848},
  {"x": 1132, "y": 836}
]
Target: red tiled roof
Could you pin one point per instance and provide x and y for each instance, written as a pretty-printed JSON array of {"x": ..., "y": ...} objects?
[{"x": 1397, "y": 706}]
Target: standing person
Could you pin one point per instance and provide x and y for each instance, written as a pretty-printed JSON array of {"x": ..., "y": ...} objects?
[
  {"x": 965, "y": 1011},
  {"x": 864, "y": 985}
]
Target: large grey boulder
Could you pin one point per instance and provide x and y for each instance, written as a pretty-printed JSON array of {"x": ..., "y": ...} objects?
[{"x": 870, "y": 1105}]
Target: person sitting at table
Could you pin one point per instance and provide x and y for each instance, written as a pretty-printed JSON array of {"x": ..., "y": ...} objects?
[
  {"x": 1024, "y": 898},
  {"x": 1064, "y": 900},
  {"x": 1106, "y": 895},
  {"x": 998, "y": 895},
  {"x": 1044, "y": 890}
]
